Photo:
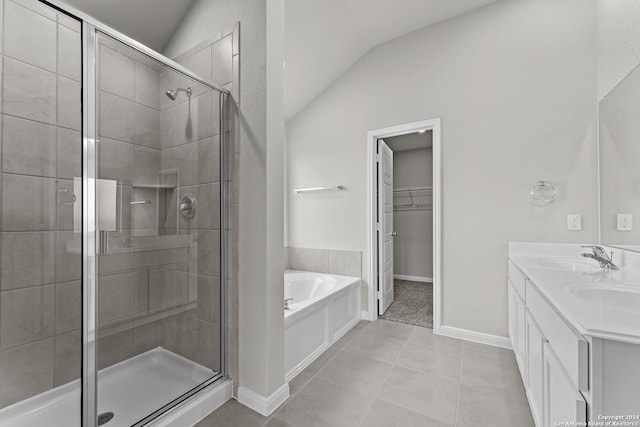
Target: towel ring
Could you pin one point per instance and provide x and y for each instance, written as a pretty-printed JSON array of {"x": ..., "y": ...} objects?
[{"x": 543, "y": 193}]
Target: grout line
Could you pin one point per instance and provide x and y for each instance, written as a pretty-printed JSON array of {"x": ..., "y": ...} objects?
[
  {"x": 455, "y": 416},
  {"x": 37, "y": 67},
  {"x": 393, "y": 365},
  {"x": 403, "y": 347},
  {"x": 313, "y": 376},
  {"x": 9, "y": 114}
]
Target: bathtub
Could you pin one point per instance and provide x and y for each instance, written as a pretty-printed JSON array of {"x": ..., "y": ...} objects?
[{"x": 324, "y": 307}]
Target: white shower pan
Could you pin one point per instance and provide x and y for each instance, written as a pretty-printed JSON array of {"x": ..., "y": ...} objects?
[{"x": 131, "y": 389}]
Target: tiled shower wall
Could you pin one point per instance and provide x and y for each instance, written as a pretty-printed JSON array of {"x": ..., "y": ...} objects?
[
  {"x": 218, "y": 59},
  {"x": 345, "y": 263},
  {"x": 167, "y": 294},
  {"x": 40, "y": 301},
  {"x": 143, "y": 273},
  {"x": 159, "y": 278}
]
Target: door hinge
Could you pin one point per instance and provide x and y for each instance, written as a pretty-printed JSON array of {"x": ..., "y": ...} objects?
[
  {"x": 379, "y": 294},
  {"x": 378, "y": 158},
  {"x": 377, "y": 226}
]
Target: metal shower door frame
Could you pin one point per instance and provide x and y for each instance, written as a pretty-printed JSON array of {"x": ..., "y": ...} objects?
[
  {"x": 89, "y": 379},
  {"x": 90, "y": 29}
]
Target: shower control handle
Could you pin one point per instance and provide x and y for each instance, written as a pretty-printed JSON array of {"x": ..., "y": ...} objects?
[{"x": 187, "y": 206}]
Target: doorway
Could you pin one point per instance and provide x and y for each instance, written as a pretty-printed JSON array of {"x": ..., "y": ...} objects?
[
  {"x": 412, "y": 225},
  {"x": 404, "y": 219}
]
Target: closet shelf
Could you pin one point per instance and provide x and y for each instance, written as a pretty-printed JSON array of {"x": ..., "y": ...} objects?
[{"x": 413, "y": 199}]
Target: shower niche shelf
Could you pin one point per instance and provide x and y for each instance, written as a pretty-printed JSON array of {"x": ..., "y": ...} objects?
[{"x": 161, "y": 201}]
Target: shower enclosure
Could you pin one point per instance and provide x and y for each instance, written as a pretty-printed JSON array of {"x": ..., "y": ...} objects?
[{"x": 113, "y": 225}]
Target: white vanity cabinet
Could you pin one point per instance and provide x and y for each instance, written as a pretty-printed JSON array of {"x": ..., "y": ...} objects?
[
  {"x": 551, "y": 355},
  {"x": 562, "y": 400},
  {"x": 517, "y": 331},
  {"x": 534, "y": 373},
  {"x": 575, "y": 331}
]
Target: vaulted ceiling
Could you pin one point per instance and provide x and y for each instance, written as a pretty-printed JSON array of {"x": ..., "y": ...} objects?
[
  {"x": 151, "y": 22},
  {"x": 323, "y": 38}
]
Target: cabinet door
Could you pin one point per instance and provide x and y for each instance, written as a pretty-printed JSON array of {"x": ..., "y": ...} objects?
[
  {"x": 521, "y": 345},
  {"x": 511, "y": 305},
  {"x": 535, "y": 368},
  {"x": 563, "y": 403}
]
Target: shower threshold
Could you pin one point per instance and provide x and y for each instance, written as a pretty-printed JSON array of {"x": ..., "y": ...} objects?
[{"x": 131, "y": 390}]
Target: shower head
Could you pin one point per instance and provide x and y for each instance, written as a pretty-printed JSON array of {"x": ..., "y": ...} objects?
[{"x": 173, "y": 93}]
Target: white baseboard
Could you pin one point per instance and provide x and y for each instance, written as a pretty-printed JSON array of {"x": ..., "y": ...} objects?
[
  {"x": 413, "y": 278},
  {"x": 195, "y": 410},
  {"x": 261, "y": 404},
  {"x": 479, "y": 337}
]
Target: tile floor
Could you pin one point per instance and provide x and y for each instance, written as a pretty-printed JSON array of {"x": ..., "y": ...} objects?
[{"x": 386, "y": 374}]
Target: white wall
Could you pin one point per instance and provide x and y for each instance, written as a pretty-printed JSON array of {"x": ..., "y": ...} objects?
[
  {"x": 618, "y": 59},
  {"x": 618, "y": 41},
  {"x": 413, "y": 245},
  {"x": 260, "y": 177},
  {"x": 514, "y": 84}
]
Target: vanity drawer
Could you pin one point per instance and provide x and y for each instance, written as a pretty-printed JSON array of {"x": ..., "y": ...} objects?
[
  {"x": 571, "y": 348},
  {"x": 517, "y": 279}
]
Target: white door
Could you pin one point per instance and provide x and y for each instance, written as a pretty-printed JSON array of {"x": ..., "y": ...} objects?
[{"x": 385, "y": 227}]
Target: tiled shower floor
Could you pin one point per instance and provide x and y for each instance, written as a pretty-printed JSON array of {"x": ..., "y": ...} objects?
[{"x": 131, "y": 389}]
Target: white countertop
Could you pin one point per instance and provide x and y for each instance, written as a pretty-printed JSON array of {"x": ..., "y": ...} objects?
[{"x": 560, "y": 286}]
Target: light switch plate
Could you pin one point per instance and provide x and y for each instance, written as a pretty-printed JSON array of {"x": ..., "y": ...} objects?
[
  {"x": 625, "y": 222},
  {"x": 574, "y": 222}
]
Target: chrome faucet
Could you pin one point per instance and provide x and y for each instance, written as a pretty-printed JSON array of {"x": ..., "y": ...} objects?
[
  {"x": 286, "y": 303},
  {"x": 601, "y": 256}
]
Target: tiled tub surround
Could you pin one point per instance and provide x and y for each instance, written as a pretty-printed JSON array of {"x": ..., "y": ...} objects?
[
  {"x": 344, "y": 263},
  {"x": 322, "y": 309},
  {"x": 40, "y": 294},
  {"x": 577, "y": 354}
]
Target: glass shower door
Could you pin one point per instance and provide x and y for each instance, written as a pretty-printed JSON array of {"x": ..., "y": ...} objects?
[
  {"x": 158, "y": 234},
  {"x": 40, "y": 289}
]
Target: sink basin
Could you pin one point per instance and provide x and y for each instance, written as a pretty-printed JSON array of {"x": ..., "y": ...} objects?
[
  {"x": 568, "y": 264},
  {"x": 609, "y": 294}
]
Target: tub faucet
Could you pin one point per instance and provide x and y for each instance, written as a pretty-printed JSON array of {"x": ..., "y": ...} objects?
[
  {"x": 286, "y": 303},
  {"x": 601, "y": 256}
]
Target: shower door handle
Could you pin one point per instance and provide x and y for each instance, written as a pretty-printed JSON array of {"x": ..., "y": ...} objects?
[{"x": 103, "y": 242}]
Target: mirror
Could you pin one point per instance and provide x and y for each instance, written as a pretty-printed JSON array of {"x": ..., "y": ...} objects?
[{"x": 619, "y": 118}]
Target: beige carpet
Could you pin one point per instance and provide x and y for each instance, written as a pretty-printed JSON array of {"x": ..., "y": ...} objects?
[{"x": 412, "y": 303}]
